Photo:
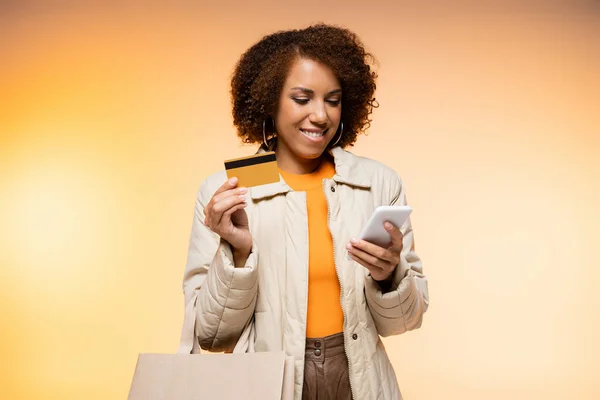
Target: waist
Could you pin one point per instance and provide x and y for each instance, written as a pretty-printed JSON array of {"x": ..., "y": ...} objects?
[{"x": 324, "y": 347}]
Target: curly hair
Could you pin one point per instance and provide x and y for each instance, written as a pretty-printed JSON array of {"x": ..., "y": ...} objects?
[{"x": 260, "y": 73}]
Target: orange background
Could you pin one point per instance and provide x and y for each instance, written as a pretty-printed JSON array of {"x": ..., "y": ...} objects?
[{"x": 111, "y": 116}]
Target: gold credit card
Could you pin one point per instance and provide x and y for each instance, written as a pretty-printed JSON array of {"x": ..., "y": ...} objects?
[{"x": 254, "y": 170}]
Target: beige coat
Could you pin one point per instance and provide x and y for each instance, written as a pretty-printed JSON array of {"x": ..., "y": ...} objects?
[{"x": 273, "y": 286}]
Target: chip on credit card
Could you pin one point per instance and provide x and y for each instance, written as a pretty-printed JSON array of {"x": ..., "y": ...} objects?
[{"x": 254, "y": 170}]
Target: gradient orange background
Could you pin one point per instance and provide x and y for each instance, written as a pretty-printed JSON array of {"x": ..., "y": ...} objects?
[{"x": 111, "y": 116}]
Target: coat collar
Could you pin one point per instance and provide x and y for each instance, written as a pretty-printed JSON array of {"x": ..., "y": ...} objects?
[{"x": 347, "y": 170}]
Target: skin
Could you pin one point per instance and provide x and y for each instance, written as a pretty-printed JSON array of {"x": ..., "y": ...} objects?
[
  {"x": 380, "y": 261},
  {"x": 310, "y": 100}
]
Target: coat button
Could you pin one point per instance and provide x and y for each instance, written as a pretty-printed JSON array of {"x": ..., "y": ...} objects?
[
  {"x": 317, "y": 352},
  {"x": 317, "y": 344},
  {"x": 355, "y": 336},
  {"x": 333, "y": 188}
]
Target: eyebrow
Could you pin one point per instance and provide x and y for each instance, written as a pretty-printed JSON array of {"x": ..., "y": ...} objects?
[{"x": 312, "y": 91}]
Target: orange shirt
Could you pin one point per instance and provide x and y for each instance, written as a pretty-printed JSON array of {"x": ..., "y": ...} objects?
[{"x": 325, "y": 316}]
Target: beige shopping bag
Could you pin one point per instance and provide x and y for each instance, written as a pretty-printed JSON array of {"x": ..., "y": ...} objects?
[
  {"x": 245, "y": 374},
  {"x": 208, "y": 376}
]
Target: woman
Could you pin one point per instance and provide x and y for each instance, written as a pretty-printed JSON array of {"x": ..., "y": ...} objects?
[{"x": 278, "y": 260}]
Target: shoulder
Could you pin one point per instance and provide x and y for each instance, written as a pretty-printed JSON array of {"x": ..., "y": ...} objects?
[
  {"x": 371, "y": 166},
  {"x": 380, "y": 175},
  {"x": 210, "y": 185}
]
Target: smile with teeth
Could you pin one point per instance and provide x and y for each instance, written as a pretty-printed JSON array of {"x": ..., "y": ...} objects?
[{"x": 313, "y": 134}]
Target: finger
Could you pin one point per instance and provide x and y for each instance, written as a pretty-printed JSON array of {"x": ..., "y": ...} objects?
[
  {"x": 222, "y": 206},
  {"x": 369, "y": 258},
  {"x": 225, "y": 190},
  {"x": 217, "y": 197},
  {"x": 372, "y": 249},
  {"x": 233, "y": 209},
  {"x": 225, "y": 204},
  {"x": 395, "y": 235},
  {"x": 228, "y": 184},
  {"x": 225, "y": 221},
  {"x": 372, "y": 268},
  {"x": 376, "y": 272}
]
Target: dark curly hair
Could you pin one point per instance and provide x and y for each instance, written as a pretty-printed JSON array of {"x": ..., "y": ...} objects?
[{"x": 261, "y": 71}]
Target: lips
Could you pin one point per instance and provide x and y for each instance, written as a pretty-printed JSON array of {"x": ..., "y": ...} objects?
[{"x": 312, "y": 133}]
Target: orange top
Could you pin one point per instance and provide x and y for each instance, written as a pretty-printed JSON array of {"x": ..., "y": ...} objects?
[{"x": 325, "y": 316}]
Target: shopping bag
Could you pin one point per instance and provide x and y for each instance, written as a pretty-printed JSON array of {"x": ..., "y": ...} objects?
[
  {"x": 208, "y": 376},
  {"x": 244, "y": 374}
]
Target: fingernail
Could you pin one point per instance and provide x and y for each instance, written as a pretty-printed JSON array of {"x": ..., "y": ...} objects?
[
  {"x": 388, "y": 225},
  {"x": 233, "y": 181},
  {"x": 354, "y": 240},
  {"x": 349, "y": 246}
]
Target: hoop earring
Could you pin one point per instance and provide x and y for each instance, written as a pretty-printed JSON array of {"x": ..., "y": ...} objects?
[
  {"x": 267, "y": 146},
  {"x": 341, "y": 133}
]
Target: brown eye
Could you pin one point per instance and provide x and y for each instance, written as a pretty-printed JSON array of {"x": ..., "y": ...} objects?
[{"x": 301, "y": 101}]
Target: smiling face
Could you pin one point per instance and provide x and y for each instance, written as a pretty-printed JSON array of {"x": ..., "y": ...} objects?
[{"x": 308, "y": 115}]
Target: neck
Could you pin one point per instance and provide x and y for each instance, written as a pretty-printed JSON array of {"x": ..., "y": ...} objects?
[{"x": 289, "y": 162}]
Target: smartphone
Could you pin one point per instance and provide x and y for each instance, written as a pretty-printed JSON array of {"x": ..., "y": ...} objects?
[{"x": 374, "y": 232}]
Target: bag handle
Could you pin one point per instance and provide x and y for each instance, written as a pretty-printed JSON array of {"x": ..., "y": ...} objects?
[
  {"x": 245, "y": 343},
  {"x": 188, "y": 342}
]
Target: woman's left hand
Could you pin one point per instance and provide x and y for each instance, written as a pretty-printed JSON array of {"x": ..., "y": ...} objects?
[{"x": 380, "y": 261}]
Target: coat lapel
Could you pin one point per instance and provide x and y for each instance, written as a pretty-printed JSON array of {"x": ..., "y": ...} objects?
[{"x": 347, "y": 171}]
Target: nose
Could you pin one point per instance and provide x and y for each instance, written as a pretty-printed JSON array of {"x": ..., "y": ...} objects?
[{"x": 318, "y": 115}]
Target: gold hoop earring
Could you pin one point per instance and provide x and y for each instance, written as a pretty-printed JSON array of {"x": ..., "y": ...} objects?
[
  {"x": 268, "y": 146},
  {"x": 341, "y": 133}
]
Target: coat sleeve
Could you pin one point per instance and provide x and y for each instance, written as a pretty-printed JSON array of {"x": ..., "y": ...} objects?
[
  {"x": 401, "y": 308},
  {"x": 219, "y": 298}
]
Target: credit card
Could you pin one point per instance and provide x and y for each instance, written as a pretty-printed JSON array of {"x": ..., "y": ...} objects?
[{"x": 254, "y": 170}]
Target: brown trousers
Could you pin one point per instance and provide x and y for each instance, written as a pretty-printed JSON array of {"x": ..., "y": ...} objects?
[{"x": 326, "y": 369}]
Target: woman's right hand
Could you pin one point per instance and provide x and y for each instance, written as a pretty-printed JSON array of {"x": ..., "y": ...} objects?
[{"x": 225, "y": 215}]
